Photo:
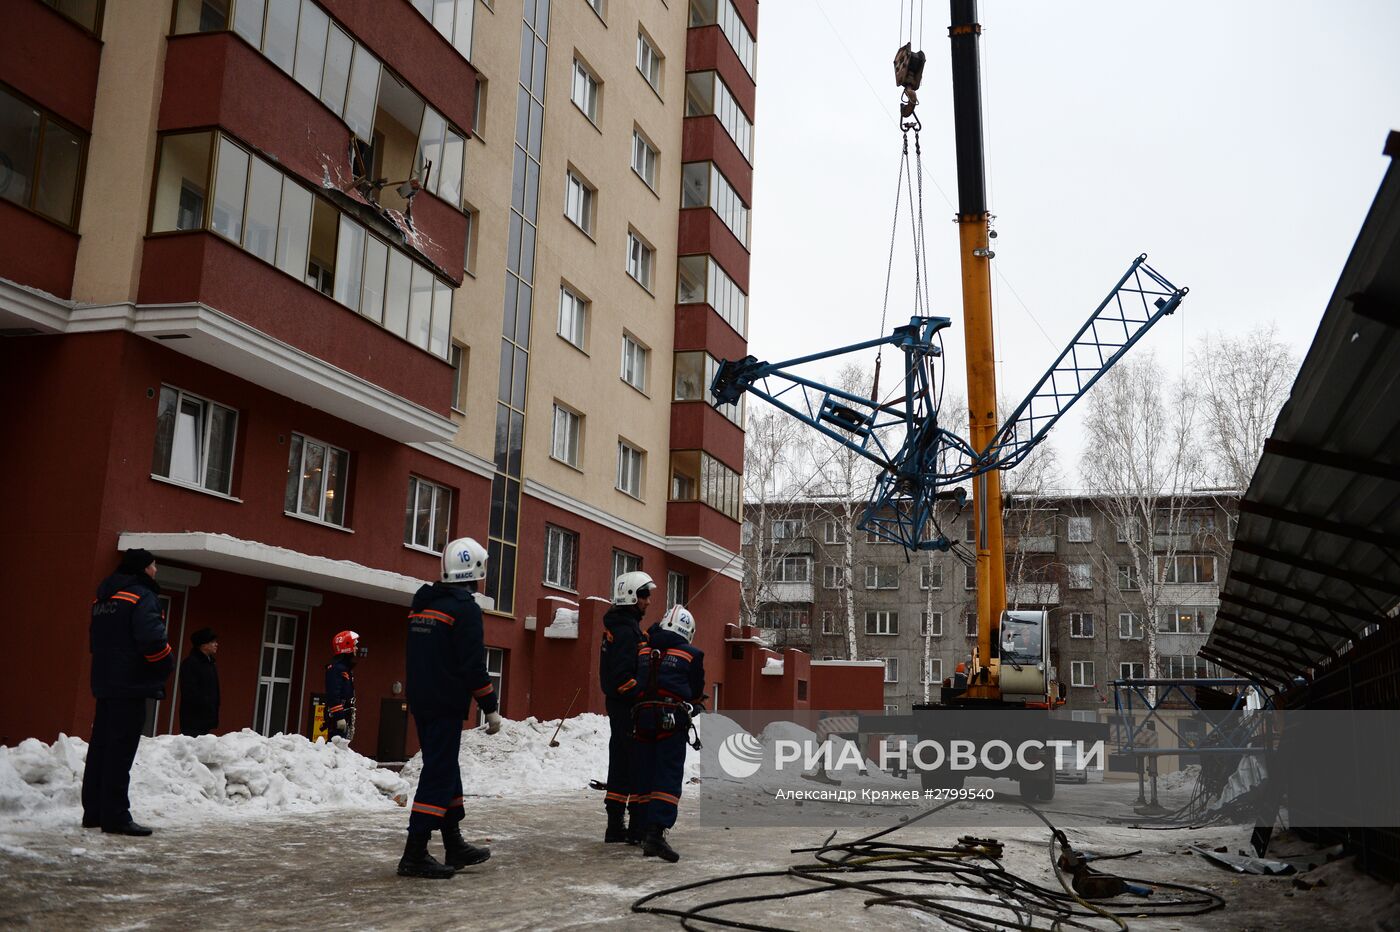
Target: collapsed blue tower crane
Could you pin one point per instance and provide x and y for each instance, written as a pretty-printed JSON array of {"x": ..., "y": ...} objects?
[{"x": 919, "y": 459}]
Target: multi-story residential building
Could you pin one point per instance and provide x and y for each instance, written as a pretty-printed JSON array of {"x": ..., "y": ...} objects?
[
  {"x": 295, "y": 291},
  {"x": 1066, "y": 554}
]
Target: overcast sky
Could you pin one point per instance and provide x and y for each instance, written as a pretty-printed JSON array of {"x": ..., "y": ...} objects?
[{"x": 1237, "y": 143}]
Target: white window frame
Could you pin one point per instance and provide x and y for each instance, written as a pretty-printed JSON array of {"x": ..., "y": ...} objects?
[
  {"x": 1126, "y": 670},
  {"x": 573, "y": 318},
  {"x": 645, "y": 157},
  {"x": 1081, "y": 530},
  {"x": 881, "y": 577},
  {"x": 1126, "y": 530},
  {"x": 677, "y": 588},
  {"x": 579, "y": 201},
  {"x": 1077, "y": 669},
  {"x": 882, "y": 623},
  {"x": 459, "y": 356},
  {"x": 631, "y": 467},
  {"x": 781, "y": 569},
  {"x": 641, "y": 259},
  {"x": 926, "y": 574},
  {"x": 300, "y": 473},
  {"x": 624, "y": 562},
  {"x": 970, "y": 624},
  {"x": 1128, "y": 622},
  {"x": 560, "y": 547},
  {"x": 650, "y": 61},
  {"x": 206, "y": 430},
  {"x": 831, "y": 533},
  {"x": 833, "y": 577},
  {"x": 928, "y": 630},
  {"x": 1080, "y": 575},
  {"x": 1077, "y": 622},
  {"x": 969, "y": 578},
  {"x": 636, "y": 357},
  {"x": 891, "y": 669},
  {"x": 932, "y": 664},
  {"x": 267, "y": 685},
  {"x": 572, "y": 421},
  {"x": 439, "y": 505},
  {"x": 584, "y": 84},
  {"x": 1129, "y": 580}
]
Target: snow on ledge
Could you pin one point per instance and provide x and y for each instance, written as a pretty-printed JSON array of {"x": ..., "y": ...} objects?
[
  {"x": 849, "y": 663},
  {"x": 252, "y": 558},
  {"x": 773, "y": 667}
]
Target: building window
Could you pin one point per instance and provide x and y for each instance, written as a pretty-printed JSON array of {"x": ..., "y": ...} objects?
[
  {"x": 828, "y": 623},
  {"x": 785, "y": 529},
  {"x": 882, "y": 623},
  {"x": 1081, "y": 625},
  {"x": 723, "y": 14},
  {"x": 496, "y": 672},
  {"x": 473, "y": 219},
  {"x": 578, "y": 202},
  {"x": 831, "y": 532},
  {"x": 1187, "y": 667},
  {"x": 1081, "y": 673},
  {"x": 634, "y": 362},
  {"x": 677, "y": 588},
  {"x": 275, "y": 218},
  {"x": 933, "y": 670},
  {"x": 931, "y": 625},
  {"x": 630, "y": 462},
  {"x": 573, "y": 317},
  {"x": 41, "y": 158},
  {"x": 1080, "y": 576},
  {"x": 274, "y": 699},
  {"x": 700, "y": 280},
  {"x": 1191, "y": 521},
  {"x": 891, "y": 670},
  {"x": 568, "y": 435},
  {"x": 317, "y": 480},
  {"x": 970, "y": 577},
  {"x": 453, "y": 19},
  {"x": 1129, "y": 626},
  {"x": 696, "y": 476},
  {"x": 1184, "y": 619},
  {"x": 649, "y": 61},
  {"x": 833, "y": 577},
  {"x": 427, "y": 516},
  {"x": 1132, "y": 671},
  {"x": 705, "y": 94},
  {"x": 598, "y": 6},
  {"x": 694, "y": 372},
  {"x": 1186, "y": 568},
  {"x": 584, "y": 92},
  {"x": 931, "y": 576},
  {"x": 792, "y": 569},
  {"x": 624, "y": 562},
  {"x": 458, "y": 359},
  {"x": 560, "y": 557},
  {"x": 881, "y": 577},
  {"x": 1126, "y": 530},
  {"x": 644, "y": 158},
  {"x": 479, "y": 107},
  {"x": 639, "y": 259},
  {"x": 1081, "y": 530},
  {"x": 1128, "y": 580},
  {"x": 86, "y": 13},
  {"x": 970, "y": 624},
  {"x": 195, "y": 441},
  {"x": 704, "y": 185}
]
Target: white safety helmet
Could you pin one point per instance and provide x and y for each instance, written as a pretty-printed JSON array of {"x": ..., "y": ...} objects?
[
  {"x": 463, "y": 560},
  {"x": 679, "y": 621},
  {"x": 625, "y": 589}
]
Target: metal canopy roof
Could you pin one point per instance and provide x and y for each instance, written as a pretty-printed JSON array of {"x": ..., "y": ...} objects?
[{"x": 1316, "y": 557}]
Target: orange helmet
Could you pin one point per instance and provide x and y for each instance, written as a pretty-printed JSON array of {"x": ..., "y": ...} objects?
[
  {"x": 348, "y": 642},
  {"x": 960, "y": 668}
]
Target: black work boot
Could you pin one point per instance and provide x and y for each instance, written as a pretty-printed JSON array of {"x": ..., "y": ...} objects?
[
  {"x": 459, "y": 853},
  {"x": 636, "y": 825},
  {"x": 417, "y": 862},
  {"x": 654, "y": 845},
  {"x": 617, "y": 830}
]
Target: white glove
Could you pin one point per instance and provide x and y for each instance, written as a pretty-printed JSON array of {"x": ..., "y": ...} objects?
[
  {"x": 493, "y": 722},
  {"x": 342, "y": 726}
]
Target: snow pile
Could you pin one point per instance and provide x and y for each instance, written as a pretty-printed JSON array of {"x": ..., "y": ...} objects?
[
  {"x": 177, "y": 778},
  {"x": 518, "y": 761},
  {"x": 1183, "y": 779}
]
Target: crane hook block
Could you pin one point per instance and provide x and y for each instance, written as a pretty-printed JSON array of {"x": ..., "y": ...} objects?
[{"x": 908, "y": 67}]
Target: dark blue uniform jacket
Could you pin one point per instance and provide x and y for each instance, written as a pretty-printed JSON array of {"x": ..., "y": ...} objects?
[
  {"x": 130, "y": 657},
  {"x": 671, "y": 668},
  {"x": 617, "y": 660},
  {"x": 447, "y": 654},
  {"x": 340, "y": 693}
]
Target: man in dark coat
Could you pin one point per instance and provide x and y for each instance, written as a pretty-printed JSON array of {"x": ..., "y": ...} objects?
[
  {"x": 617, "y": 667},
  {"x": 199, "y": 685},
  {"x": 130, "y": 664},
  {"x": 446, "y": 659},
  {"x": 340, "y": 684}
]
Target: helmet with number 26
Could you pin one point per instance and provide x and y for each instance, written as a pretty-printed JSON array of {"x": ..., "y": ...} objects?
[{"x": 463, "y": 560}]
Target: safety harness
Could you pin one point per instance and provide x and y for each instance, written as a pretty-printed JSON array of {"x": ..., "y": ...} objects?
[{"x": 660, "y": 714}]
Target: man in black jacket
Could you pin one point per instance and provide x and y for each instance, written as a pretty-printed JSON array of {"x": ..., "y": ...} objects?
[
  {"x": 340, "y": 684},
  {"x": 199, "y": 685},
  {"x": 446, "y": 670},
  {"x": 623, "y": 641},
  {"x": 130, "y": 664}
]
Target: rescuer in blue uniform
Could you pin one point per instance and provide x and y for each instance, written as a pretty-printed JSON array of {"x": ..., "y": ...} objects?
[
  {"x": 617, "y": 667},
  {"x": 131, "y": 661},
  {"x": 446, "y": 660},
  {"x": 671, "y": 678},
  {"x": 340, "y": 684}
]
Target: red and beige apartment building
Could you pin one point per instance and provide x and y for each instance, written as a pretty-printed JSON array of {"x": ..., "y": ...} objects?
[{"x": 292, "y": 292}]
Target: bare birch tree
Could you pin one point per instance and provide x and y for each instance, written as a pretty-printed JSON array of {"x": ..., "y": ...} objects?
[
  {"x": 1142, "y": 460},
  {"x": 1244, "y": 382},
  {"x": 770, "y": 468}
]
